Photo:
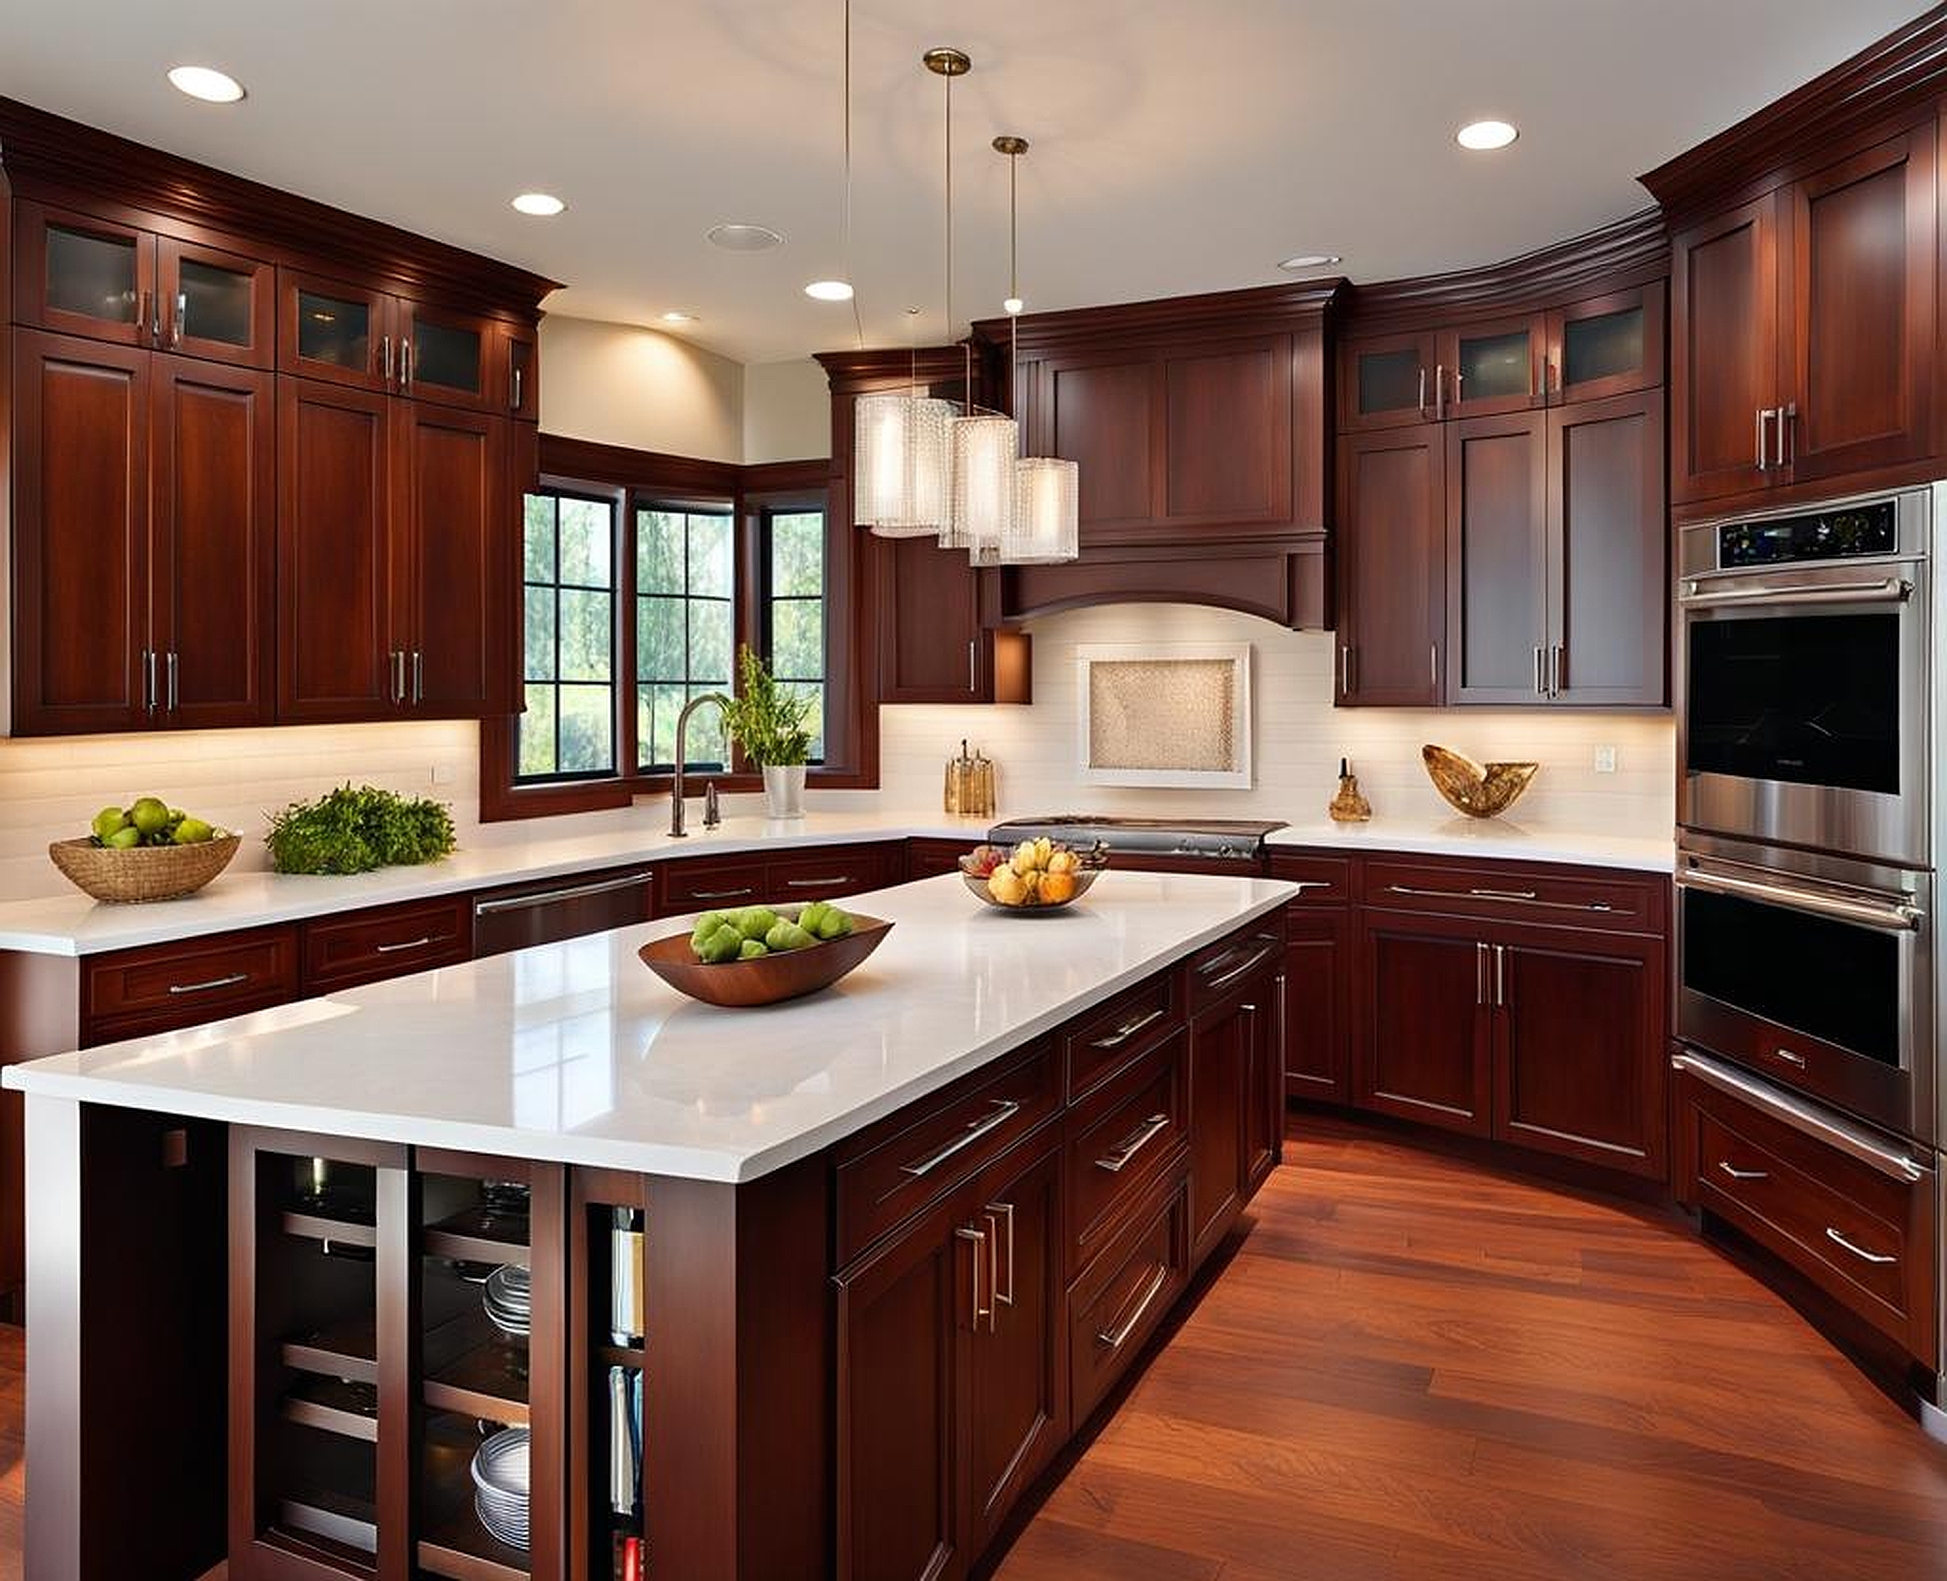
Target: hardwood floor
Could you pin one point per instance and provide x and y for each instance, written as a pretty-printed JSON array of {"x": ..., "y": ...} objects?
[{"x": 1415, "y": 1369}]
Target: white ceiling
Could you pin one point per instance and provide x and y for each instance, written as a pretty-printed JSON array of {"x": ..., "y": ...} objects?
[{"x": 1179, "y": 145}]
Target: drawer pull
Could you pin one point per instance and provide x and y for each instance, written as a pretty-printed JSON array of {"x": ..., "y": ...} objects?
[
  {"x": 1859, "y": 1251},
  {"x": 214, "y": 983},
  {"x": 1116, "y": 1333},
  {"x": 1789, "y": 1057},
  {"x": 721, "y": 894},
  {"x": 492, "y": 908},
  {"x": 1232, "y": 975},
  {"x": 419, "y": 943},
  {"x": 1742, "y": 1174},
  {"x": 1132, "y": 1144},
  {"x": 814, "y": 883},
  {"x": 1004, "y": 1110},
  {"x": 1127, "y": 1030},
  {"x": 1515, "y": 897}
]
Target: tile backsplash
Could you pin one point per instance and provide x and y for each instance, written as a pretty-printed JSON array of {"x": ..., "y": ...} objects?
[
  {"x": 50, "y": 789},
  {"x": 1300, "y": 738}
]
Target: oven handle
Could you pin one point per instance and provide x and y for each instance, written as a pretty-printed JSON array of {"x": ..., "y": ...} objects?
[
  {"x": 1892, "y": 590},
  {"x": 1801, "y": 1117},
  {"x": 1888, "y": 919}
]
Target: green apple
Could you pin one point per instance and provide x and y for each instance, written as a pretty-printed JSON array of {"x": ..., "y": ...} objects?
[
  {"x": 107, "y": 821},
  {"x": 192, "y": 831},
  {"x": 149, "y": 815},
  {"x": 126, "y": 838}
]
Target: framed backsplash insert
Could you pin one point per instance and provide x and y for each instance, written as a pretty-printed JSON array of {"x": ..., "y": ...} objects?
[{"x": 1167, "y": 715}]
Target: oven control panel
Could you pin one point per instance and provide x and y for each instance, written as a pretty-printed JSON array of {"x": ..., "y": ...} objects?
[{"x": 1841, "y": 534}]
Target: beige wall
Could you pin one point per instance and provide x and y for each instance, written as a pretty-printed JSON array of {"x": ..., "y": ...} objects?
[
  {"x": 625, "y": 385},
  {"x": 787, "y": 411}
]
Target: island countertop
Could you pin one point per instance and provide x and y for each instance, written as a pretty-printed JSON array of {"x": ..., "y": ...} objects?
[{"x": 576, "y": 1053}]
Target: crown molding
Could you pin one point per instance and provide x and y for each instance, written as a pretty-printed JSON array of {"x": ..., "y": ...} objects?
[
  {"x": 1899, "y": 78},
  {"x": 1254, "y": 309},
  {"x": 49, "y": 157}
]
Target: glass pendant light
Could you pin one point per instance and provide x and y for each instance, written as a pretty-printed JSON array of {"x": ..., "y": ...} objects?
[
  {"x": 1044, "y": 526},
  {"x": 980, "y": 445}
]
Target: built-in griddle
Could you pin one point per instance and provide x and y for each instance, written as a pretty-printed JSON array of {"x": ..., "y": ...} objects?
[{"x": 1219, "y": 839}]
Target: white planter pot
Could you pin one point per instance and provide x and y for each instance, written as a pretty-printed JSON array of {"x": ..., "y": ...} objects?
[{"x": 784, "y": 791}]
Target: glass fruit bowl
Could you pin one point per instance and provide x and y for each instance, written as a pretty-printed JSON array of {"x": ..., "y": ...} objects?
[{"x": 1050, "y": 877}]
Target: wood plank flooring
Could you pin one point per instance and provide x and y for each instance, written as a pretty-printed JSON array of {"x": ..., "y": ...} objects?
[{"x": 1416, "y": 1369}]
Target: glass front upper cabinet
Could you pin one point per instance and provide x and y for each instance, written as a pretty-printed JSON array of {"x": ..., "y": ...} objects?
[
  {"x": 1609, "y": 345},
  {"x": 1387, "y": 381},
  {"x": 216, "y": 305},
  {"x": 337, "y": 332},
  {"x": 449, "y": 357},
  {"x": 1491, "y": 367},
  {"x": 87, "y": 277}
]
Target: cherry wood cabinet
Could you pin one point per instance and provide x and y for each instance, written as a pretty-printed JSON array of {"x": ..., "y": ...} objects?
[
  {"x": 1236, "y": 1089},
  {"x": 1497, "y": 560},
  {"x": 931, "y": 645},
  {"x": 1804, "y": 326},
  {"x": 1391, "y": 566},
  {"x": 81, "y": 434},
  {"x": 1424, "y": 1050},
  {"x": 1318, "y": 972},
  {"x": 1493, "y": 365},
  {"x": 1606, "y": 345},
  {"x": 1388, "y": 381}
]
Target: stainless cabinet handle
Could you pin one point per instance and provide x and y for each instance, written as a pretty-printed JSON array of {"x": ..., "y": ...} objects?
[
  {"x": 607, "y": 886},
  {"x": 155, "y": 319},
  {"x": 385, "y": 357},
  {"x": 418, "y": 676},
  {"x": 1422, "y": 400},
  {"x": 1345, "y": 669},
  {"x": 141, "y": 313},
  {"x": 1114, "y": 1335},
  {"x": 1117, "y": 1158},
  {"x": 1004, "y": 1109},
  {"x": 1457, "y": 376},
  {"x": 1500, "y": 976},
  {"x": 405, "y": 362},
  {"x": 1503, "y": 894},
  {"x": 979, "y": 1239},
  {"x": 214, "y": 983},
  {"x": 997, "y": 1213},
  {"x": 1433, "y": 665},
  {"x": 1237, "y": 972},
  {"x": 1765, "y": 415},
  {"x": 1559, "y": 653},
  {"x": 148, "y": 680},
  {"x": 1541, "y": 685},
  {"x": 1787, "y": 445},
  {"x": 516, "y": 401},
  {"x": 816, "y": 883},
  {"x": 419, "y": 943},
  {"x": 1735, "y": 1173},
  {"x": 1480, "y": 974},
  {"x": 721, "y": 894},
  {"x": 176, "y": 324},
  {"x": 1127, "y": 1030},
  {"x": 972, "y": 681},
  {"x": 174, "y": 690},
  {"x": 1510, "y": 896},
  {"x": 1795, "y": 1060},
  {"x": 1859, "y": 1251},
  {"x": 1439, "y": 391}
]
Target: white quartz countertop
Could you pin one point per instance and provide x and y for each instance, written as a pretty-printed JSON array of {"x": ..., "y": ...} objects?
[
  {"x": 1491, "y": 839},
  {"x": 575, "y": 1052},
  {"x": 74, "y": 925}
]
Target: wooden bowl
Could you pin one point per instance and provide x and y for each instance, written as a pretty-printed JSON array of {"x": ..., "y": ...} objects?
[
  {"x": 1480, "y": 791},
  {"x": 768, "y": 980},
  {"x": 148, "y": 872}
]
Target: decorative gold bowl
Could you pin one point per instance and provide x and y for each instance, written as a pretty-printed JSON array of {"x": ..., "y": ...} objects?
[{"x": 1478, "y": 791}]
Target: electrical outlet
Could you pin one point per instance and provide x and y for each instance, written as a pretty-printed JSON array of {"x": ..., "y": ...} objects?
[
  {"x": 443, "y": 773},
  {"x": 1605, "y": 760}
]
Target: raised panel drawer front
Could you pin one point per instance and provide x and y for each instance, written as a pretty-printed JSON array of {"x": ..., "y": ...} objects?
[
  {"x": 1864, "y": 1235},
  {"x": 1227, "y": 967},
  {"x": 386, "y": 941},
  {"x": 1321, "y": 880},
  {"x": 1106, "y": 1039},
  {"x": 1115, "y": 1306},
  {"x": 161, "y": 987},
  {"x": 894, "y": 1169},
  {"x": 1120, "y": 1136},
  {"x": 708, "y": 886},
  {"x": 1515, "y": 892}
]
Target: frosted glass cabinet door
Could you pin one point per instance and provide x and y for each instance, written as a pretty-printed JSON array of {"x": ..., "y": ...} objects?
[
  {"x": 1492, "y": 367},
  {"x": 1386, "y": 381},
  {"x": 1608, "y": 345},
  {"x": 81, "y": 276},
  {"x": 450, "y": 358},
  {"x": 343, "y": 334},
  {"x": 217, "y": 305}
]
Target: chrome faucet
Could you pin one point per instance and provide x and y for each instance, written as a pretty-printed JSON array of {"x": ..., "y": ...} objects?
[{"x": 676, "y": 829}]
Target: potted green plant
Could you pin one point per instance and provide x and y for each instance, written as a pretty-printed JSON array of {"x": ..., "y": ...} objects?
[{"x": 772, "y": 726}]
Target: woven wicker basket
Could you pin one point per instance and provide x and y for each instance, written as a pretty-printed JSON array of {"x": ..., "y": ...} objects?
[{"x": 149, "y": 872}]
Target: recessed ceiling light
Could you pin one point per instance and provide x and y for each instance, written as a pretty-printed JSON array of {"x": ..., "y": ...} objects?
[
  {"x": 544, "y": 204},
  {"x": 738, "y": 237},
  {"x": 829, "y": 291},
  {"x": 674, "y": 317},
  {"x": 1309, "y": 261},
  {"x": 206, "y": 82},
  {"x": 1486, "y": 134}
]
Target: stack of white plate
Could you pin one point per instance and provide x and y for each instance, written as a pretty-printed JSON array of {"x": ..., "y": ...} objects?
[
  {"x": 500, "y": 1486},
  {"x": 509, "y": 1300}
]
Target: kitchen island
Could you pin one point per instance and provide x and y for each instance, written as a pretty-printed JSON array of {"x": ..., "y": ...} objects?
[{"x": 898, "y": 1242}]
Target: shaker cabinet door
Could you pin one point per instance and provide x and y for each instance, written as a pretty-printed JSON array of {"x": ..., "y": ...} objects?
[
  {"x": 1392, "y": 566},
  {"x": 1497, "y": 561},
  {"x": 1424, "y": 1033},
  {"x": 1724, "y": 341}
]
